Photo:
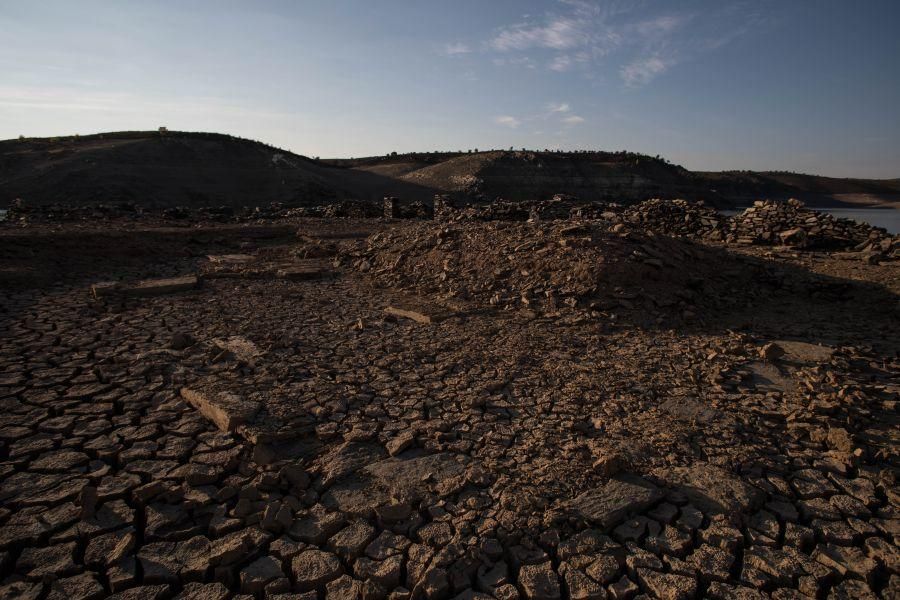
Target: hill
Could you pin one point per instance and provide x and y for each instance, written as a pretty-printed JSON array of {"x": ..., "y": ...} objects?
[
  {"x": 156, "y": 169},
  {"x": 619, "y": 176},
  {"x": 175, "y": 169},
  {"x": 529, "y": 175}
]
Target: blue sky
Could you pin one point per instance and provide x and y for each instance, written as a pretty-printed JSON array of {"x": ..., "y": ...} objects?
[{"x": 804, "y": 85}]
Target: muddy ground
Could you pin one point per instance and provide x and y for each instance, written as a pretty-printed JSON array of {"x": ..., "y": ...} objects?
[{"x": 377, "y": 409}]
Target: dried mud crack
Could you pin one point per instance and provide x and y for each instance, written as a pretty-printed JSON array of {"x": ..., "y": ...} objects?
[{"x": 374, "y": 409}]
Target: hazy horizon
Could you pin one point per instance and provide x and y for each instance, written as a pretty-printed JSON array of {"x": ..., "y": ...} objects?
[{"x": 809, "y": 87}]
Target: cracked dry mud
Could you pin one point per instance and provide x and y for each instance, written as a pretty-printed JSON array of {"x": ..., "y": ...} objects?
[{"x": 309, "y": 435}]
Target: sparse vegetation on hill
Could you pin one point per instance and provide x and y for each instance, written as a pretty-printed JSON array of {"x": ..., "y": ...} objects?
[{"x": 173, "y": 168}]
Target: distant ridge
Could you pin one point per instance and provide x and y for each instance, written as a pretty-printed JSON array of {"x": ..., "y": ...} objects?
[
  {"x": 742, "y": 187},
  {"x": 160, "y": 169}
]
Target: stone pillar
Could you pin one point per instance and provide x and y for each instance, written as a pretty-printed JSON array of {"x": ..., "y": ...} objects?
[{"x": 391, "y": 207}]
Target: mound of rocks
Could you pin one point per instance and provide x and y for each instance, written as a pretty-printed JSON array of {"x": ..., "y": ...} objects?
[
  {"x": 676, "y": 217},
  {"x": 559, "y": 207},
  {"x": 791, "y": 224},
  {"x": 546, "y": 266},
  {"x": 498, "y": 210}
]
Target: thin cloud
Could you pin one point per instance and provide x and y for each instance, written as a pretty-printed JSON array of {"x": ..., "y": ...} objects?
[
  {"x": 558, "y": 34},
  {"x": 660, "y": 25},
  {"x": 582, "y": 35},
  {"x": 641, "y": 71},
  {"x": 561, "y": 63},
  {"x": 521, "y": 61},
  {"x": 507, "y": 121},
  {"x": 584, "y": 29},
  {"x": 554, "y": 112},
  {"x": 456, "y": 48}
]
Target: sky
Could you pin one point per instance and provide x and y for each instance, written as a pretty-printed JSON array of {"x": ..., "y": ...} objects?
[{"x": 801, "y": 85}]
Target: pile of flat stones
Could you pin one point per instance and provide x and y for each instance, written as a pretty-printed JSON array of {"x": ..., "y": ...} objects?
[
  {"x": 560, "y": 207},
  {"x": 544, "y": 266},
  {"x": 791, "y": 224},
  {"x": 676, "y": 217}
]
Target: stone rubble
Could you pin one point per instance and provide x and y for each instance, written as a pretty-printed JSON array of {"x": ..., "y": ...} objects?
[
  {"x": 676, "y": 218},
  {"x": 768, "y": 223}
]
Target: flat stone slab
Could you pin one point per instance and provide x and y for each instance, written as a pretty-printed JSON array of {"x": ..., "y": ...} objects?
[
  {"x": 397, "y": 480},
  {"x": 105, "y": 288},
  {"x": 803, "y": 352},
  {"x": 420, "y": 313},
  {"x": 712, "y": 489},
  {"x": 300, "y": 273},
  {"x": 147, "y": 287},
  {"x": 226, "y": 410},
  {"x": 151, "y": 287},
  {"x": 415, "y": 315},
  {"x": 612, "y": 502},
  {"x": 339, "y": 235},
  {"x": 348, "y": 458},
  {"x": 238, "y": 348},
  {"x": 231, "y": 259},
  {"x": 768, "y": 378}
]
